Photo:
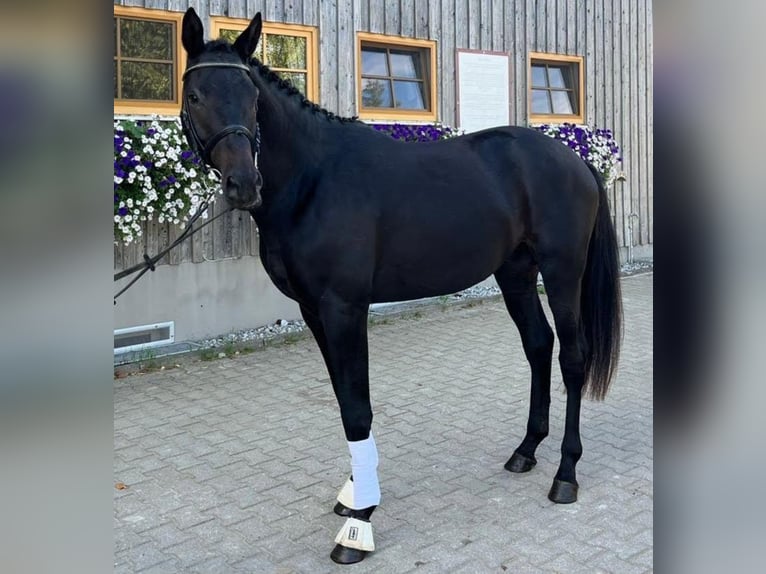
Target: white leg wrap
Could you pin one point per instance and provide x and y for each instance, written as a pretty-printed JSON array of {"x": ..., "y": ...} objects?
[
  {"x": 364, "y": 469},
  {"x": 346, "y": 494},
  {"x": 356, "y": 534}
]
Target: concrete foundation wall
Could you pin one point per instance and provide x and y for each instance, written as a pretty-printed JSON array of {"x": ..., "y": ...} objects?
[{"x": 205, "y": 299}]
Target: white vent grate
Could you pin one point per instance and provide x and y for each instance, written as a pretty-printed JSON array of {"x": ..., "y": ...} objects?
[{"x": 143, "y": 337}]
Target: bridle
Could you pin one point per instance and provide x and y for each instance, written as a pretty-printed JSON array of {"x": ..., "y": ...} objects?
[{"x": 202, "y": 149}]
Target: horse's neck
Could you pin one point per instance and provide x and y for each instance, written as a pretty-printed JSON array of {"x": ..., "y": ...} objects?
[{"x": 290, "y": 136}]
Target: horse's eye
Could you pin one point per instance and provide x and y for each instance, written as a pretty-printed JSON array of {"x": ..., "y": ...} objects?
[{"x": 193, "y": 98}]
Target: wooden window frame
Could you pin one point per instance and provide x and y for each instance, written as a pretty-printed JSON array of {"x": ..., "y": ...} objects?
[
  {"x": 397, "y": 42},
  {"x": 147, "y": 107},
  {"x": 548, "y": 58},
  {"x": 218, "y": 23}
]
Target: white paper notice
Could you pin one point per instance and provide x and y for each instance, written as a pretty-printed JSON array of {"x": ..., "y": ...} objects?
[{"x": 483, "y": 90}]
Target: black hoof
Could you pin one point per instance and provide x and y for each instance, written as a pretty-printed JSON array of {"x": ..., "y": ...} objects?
[
  {"x": 520, "y": 463},
  {"x": 342, "y": 555},
  {"x": 563, "y": 492},
  {"x": 342, "y": 510}
]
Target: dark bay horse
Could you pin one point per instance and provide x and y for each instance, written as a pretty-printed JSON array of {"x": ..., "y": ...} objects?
[{"x": 349, "y": 217}]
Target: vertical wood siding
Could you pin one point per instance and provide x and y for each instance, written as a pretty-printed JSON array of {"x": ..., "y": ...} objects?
[{"x": 614, "y": 36}]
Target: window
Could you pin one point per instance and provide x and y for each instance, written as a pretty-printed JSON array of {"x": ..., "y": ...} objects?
[
  {"x": 147, "y": 58},
  {"x": 396, "y": 78},
  {"x": 288, "y": 49},
  {"x": 556, "y": 88}
]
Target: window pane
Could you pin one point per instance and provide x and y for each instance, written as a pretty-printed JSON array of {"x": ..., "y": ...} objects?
[
  {"x": 405, "y": 65},
  {"x": 145, "y": 39},
  {"x": 538, "y": 76},
  {"x": 145, "y": 81},
  {"x": 374, "y": 62},
  {"x": 562, "y": 104},
  {"x": 376, "y": 93},
  {"x": 297, "y": 78},
  {"x": 231, "y": 36},
  {"x": 556, "y": 77},
  {"x": 540, "y": 102},
  {"x": 286, "y": 51},
  {"x": 408, "y": 95},
  {"x": 115, "y": 79}
]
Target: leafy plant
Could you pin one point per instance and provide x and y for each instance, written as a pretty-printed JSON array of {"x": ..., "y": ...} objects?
[
  {"x": 597, "y": 147},
  {"x": 156, "y": 177},
  {"x": 417, "y": 133}
]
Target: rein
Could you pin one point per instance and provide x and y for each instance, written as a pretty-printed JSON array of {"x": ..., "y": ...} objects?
[
  {"x": 148, "y": 264},
  {"x": 203, "y": 151}
]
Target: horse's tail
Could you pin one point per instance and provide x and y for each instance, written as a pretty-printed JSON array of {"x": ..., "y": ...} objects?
[{"x": 601, "y": 301}]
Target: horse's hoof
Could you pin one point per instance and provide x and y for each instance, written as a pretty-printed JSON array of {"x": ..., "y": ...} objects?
[
  {"x": 342, "y": 510},
  {"x": 520, "y": 463},
  {"x": 563, "y": 492},
  {"x": 342, "y": 555}
]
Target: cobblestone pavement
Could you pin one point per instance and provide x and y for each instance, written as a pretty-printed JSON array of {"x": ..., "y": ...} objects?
[{"x": 233, "y": 465}]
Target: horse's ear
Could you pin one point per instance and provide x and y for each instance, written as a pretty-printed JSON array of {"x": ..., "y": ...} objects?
[
  {"x": 191, "y": 34},
  {"x": 247, "y": 41}
]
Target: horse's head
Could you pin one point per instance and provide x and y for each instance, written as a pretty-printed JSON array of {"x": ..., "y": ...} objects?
[{"x": 219, "y": 106}]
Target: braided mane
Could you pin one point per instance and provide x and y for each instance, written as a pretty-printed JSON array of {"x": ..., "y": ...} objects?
[{"x": 287, "y": 86}]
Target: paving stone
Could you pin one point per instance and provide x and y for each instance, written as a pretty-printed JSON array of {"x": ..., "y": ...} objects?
[{"x": 234, "y": 465}]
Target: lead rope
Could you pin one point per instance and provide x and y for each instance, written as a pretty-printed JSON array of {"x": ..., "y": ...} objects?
[{"x": 148, "y": 264}]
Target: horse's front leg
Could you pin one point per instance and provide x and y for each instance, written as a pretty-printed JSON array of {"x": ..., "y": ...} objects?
[{"x": 344, "y": 338}]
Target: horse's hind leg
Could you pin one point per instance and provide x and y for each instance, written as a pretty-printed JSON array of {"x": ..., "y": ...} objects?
[
  {"x": 517, "y": 279},
  {"x": 562, "y": 284}
]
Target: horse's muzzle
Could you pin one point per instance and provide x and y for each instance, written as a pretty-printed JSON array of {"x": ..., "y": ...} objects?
[{"x": 243, "y": 189}]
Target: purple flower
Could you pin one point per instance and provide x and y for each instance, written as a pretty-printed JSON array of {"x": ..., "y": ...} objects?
[{"x": 122, "y": 211}]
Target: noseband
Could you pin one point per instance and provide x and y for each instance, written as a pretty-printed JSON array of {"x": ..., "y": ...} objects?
[{"x": 205, "y": 149}]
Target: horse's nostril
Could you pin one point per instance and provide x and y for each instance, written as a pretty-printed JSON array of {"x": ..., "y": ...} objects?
[{"x": 232, "y": 184}]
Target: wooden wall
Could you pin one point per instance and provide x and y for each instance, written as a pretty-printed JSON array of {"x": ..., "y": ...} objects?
[{"x": 614, "y": 36}]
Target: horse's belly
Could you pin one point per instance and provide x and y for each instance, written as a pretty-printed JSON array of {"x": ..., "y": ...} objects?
[{"x": 442, "y": 270}]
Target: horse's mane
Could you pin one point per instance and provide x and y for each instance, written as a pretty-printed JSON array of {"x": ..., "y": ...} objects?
[
  {"x": 283, "y": 84},
  {"x": 288, "y": 87}
]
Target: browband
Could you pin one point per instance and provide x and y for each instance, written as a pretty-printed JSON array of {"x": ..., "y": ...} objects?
[{"x": 215, "y": 65}]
